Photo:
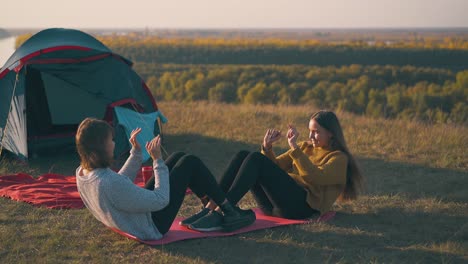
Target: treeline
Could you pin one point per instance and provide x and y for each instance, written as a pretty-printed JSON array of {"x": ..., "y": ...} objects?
[
  {"x": 451, "y": 54},
  {"x": 427, "y": 94},
  {"x": 374, "y": 79}
]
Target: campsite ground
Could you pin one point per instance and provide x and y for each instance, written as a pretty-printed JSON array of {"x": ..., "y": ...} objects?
[{"x": 415, "y": 209}]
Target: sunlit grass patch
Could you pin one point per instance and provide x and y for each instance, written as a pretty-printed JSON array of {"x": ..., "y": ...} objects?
[{"x": 414, "y": 210}]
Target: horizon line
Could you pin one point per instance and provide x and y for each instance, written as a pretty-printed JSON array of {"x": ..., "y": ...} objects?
[{"x": 247, "y": 28}]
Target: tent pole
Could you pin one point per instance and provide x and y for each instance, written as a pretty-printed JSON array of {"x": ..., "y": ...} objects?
[
  {"x": 161, "y": 133},
  {"x": 8, "y": 116}
]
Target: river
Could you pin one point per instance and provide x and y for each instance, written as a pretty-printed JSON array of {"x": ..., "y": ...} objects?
[{"x": 7, "y": 47}]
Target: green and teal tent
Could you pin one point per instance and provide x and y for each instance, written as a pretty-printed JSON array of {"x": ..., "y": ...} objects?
[{"x": 57, "y": 78}]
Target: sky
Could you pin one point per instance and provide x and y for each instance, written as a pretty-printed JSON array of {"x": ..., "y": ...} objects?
[{"x": 233, "y": 13}]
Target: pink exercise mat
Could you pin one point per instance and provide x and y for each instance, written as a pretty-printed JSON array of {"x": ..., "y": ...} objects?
[{"x": 179, "y": 233}]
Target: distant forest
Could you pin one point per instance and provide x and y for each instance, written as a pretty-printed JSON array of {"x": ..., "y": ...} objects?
[
  {"x": 406, "y": 92},
  {"x": 417, "y": 78},
  {"x": 451, "y": 53}
]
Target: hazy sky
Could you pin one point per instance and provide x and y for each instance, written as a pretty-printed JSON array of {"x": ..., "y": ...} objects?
[{"x": 233, "y": 13}]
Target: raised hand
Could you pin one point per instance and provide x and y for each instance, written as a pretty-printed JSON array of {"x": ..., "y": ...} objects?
[
  {"x": 133, "y": 139},
  {"x": 271, "y": 136},
  {"x": 154, "y": 147},
  {"x": 293, "y": 134}
]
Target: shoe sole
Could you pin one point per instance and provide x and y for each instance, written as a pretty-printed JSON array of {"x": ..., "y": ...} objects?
[
  {"x": 208, "y": 229},
  {"x": 182, "y": 224}
]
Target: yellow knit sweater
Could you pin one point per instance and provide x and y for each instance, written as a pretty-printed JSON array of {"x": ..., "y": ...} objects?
[{"x": 321, "y": 172}]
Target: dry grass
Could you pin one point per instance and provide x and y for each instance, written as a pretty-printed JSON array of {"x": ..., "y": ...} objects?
[{"x": 415, "y": 209}]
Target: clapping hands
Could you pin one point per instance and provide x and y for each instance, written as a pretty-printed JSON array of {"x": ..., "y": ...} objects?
[
  {"x": 293, "y": 134},
  {"x": 271, "y": 136},
  {"x": 133, "y": 139},
  {"x": 154, "y": 147}
]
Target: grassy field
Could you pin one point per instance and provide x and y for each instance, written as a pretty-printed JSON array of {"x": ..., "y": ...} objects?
[{"x": 415, "y": 209}]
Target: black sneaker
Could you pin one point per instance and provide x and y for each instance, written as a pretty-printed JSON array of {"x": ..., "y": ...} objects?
[
  {"x": 240, "y": 219},
  {"x": 186, "y": 222},
  {"x": 213, "y": 221}
]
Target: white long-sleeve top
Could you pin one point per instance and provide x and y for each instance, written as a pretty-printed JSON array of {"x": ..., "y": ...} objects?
[{"x": 117, "y": 202}]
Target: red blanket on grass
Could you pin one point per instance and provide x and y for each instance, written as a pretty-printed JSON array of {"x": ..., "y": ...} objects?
[{"x": 49, "y": 190}]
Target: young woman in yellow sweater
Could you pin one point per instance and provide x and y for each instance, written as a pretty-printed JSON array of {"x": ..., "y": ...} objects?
[{"x": 305, "y": 180}]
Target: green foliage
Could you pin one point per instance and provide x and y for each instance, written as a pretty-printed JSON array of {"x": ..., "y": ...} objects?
[
  {"x": 462, "y": 79},
  {"x": 426, "y": 94},
  {"x": 223, "y": 92},
  {"x": 195, "y": 88}
]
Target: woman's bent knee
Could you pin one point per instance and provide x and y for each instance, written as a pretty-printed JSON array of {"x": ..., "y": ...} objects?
[
  {"x": 256, "y": 156},
  {"x": 241, "y": 154},
  {"x": 190, "y": 158}
]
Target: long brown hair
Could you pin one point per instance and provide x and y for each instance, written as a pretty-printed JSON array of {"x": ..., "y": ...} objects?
[
  {"x": 354, "y": 177},
  {"x": 90, "y": 143}
]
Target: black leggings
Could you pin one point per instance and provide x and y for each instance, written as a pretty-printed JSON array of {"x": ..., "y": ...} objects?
[
  {"x": 184, "y": 171},
  {"x": 275, "y": 192}
]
